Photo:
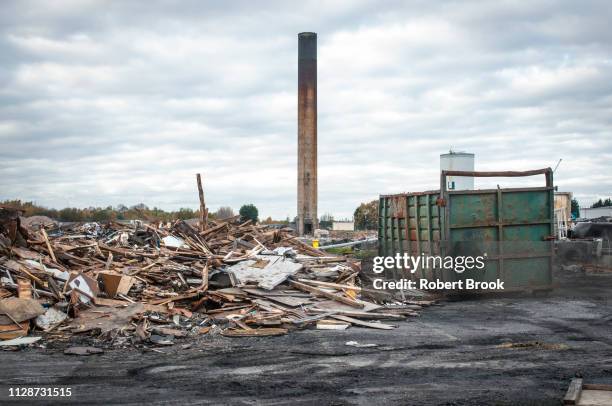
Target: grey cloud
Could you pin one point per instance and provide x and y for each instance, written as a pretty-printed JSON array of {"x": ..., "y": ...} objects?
[{"x": 117, "y": 102}]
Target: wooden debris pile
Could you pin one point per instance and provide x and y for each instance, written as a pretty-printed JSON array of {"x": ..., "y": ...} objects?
[{"x": 149, "y": 284}]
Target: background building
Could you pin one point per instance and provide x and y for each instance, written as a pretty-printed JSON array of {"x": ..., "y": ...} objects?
[{"x": 343, "y": 225}]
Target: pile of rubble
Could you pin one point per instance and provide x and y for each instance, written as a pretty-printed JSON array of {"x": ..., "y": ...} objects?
[{"x": 147, "y": 285}]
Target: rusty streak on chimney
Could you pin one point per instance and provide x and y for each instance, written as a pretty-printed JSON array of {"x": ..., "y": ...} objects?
[{"x": 307, "y": 220}]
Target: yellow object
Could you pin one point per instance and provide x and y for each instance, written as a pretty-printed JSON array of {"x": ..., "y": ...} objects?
[
  {"x": 351, "y": 293},
  {"x": 315, "y": 243}
]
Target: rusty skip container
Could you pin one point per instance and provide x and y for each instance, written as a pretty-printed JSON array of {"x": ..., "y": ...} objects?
[{"x": 510, "y": 228}]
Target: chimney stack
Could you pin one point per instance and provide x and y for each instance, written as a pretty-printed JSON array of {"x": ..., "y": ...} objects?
[{"x": 307, "y": 220}]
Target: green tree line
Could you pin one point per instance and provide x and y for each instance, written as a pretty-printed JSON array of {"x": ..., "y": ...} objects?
[
  {"x": 602, "y": 203},
  {"x": 120, "y": 212}
]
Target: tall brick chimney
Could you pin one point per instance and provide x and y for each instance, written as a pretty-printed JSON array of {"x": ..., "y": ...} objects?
[{"x": 307, "y": 220}]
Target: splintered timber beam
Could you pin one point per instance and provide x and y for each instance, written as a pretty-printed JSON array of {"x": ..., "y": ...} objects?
[{"x": 203, "y": 210}]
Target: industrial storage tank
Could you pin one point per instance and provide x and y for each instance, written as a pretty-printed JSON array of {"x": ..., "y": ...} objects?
[{"x": 458, "y": 161}]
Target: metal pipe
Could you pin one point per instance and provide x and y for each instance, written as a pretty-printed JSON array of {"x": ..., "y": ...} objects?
[
  {"x": 348, "y": 244},
  {"x": 498, "y": 174}
]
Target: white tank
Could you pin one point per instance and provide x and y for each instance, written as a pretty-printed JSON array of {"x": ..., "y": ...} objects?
[{"x": 458, "y": 161}]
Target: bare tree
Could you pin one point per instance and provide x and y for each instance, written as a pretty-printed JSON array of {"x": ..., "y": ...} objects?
[{"x": 224, "y": 213}]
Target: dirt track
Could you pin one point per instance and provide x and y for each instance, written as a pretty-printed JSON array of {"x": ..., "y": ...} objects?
[{"x": 450, "y": 356}]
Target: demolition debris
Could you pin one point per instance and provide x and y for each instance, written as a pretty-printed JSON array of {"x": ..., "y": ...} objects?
[{"x": 147, "y": 285}]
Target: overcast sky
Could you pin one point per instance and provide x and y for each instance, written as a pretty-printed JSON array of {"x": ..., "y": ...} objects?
[{"x": 123, "y": 102}]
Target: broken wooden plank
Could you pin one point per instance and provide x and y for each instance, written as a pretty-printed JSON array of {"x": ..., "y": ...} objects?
[
  {"x": 360, "y": 314},
  {"x": 260, "y": 332},
  {"x": 573, "y": 392},
  {"x": 46, "y": 238},
  {"x": 337, "y": 286},
  {"x": 116, "y": 284},
  {"x": 581, "y": 394},
  {"x": 174, "y": 299},
  {"x": 323, "y": 293},
  {"x": 362, "y": 323},
  {"x": 332, "y": 325}
]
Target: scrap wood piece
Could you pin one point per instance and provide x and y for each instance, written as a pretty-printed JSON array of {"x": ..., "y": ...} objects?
[
  {"x": 286, "y": 300},
  {"x": 228, "y": 309},
  {"x": 310, "y": 319},
  {"x": 116, "y": 284},
  {"x": 289, "y": 300},
  {"x": 204, "y": 286},
  {"x": 141, "y": 329},
  {"x": 235, "y": 319},
  {"x": 214, "y": 229},
  {"x": 4, "y": 293},
  {"x": 15, "y": 330},
  {"x": 151, "y": 265},
  {"x": 109, "y": 260},
  {"x": 332, "y": 305},
  {"x": 283, "y": 292},
  {"x": 595, "y": 397},
  {"x": 179, "y": 310},
  {"x": 17, "y": 267},
  {"x": 126, "y": 252},
  {"x": 259, "y": 332},
  {"x": 269, "y": 306},
  {"x": 25, "y": 253},
  {"x": 324, "y": 293},
  {"x": 359, "y": 314},
  {"x": 341, "y": 286},
  {"x": 19, "y": 310},
  {"x": 573, "y": 392},
  {"x": 46, "y": 238},
  {"x": 362, "y": 323},
  {"x": 165, "y": 331},
  {"x": 337, "y": 286},
  {"x": 101, "y": 301},
  {"x": 584, "y": 394},
  {"x": 346, "y": 276},
  {"x": 106, "y": 319},
  {"x": 332, "y": 325},
  {"x": 305, "y": 247},
  {"x": 55, "y": 289},
  {"x": 246, "y": 223},
  {"x": 174, "y": 299},
  {"x": 24, "y": 289},
  {"x": 20, "y": 341}
]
